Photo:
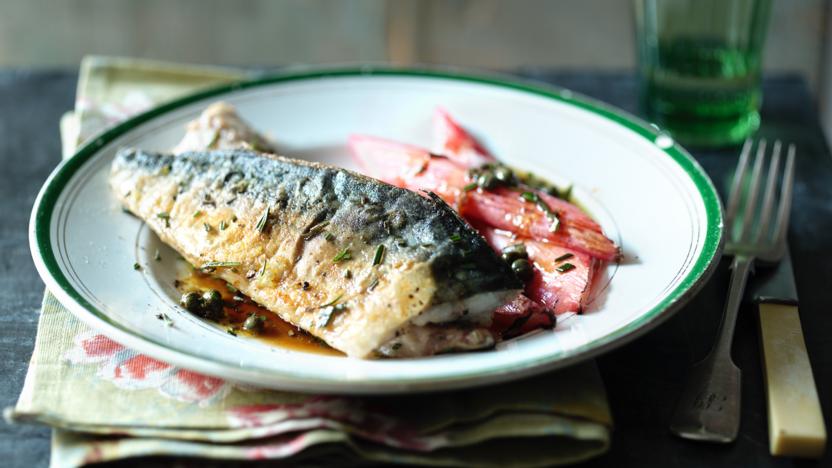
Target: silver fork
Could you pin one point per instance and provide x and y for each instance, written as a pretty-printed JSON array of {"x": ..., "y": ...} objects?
[{"x": 709, "y": 408}]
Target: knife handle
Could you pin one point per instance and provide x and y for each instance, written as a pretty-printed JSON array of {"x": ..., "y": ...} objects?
[{"x": 795, "y": 419}]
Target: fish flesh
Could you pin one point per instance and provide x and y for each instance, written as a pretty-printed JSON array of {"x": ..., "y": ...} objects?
[{"x": 367, "y": 267}]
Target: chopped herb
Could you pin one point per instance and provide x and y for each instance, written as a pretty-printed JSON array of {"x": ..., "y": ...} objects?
[
  {"x": 329, "y": 236},
  {"x": 263, "y": 268},
  {"x": 207, "y": 227},
  {"x": 469, "y": 187},
  {"x": 379, "y": 257},
  {"x": 137, "y": 267},
  {"x": 214, "y": 139},
  {"x": 348, "y": 274},
  {"x": 565, "y": 267},
  {"x": 566, "y": 194},
  {"x": 230, "y": 288},
  {"x": 223, "y": 225},
  {"x": 166, "y": 169},
  {"x": 373, "y": 284},
  {"x": 563, "y": 257},
  {"x": 543, "y": 206},
  {"x": 197, "y": 214},
  {"x": 231, "y": 331},
  {"x": 315, "y": 230},
  {"x": 264, "y": 218},
  {"x": 124, "y": 209},
  {"x": 342, "y": 256},
  {"x": 332, "y": 302},
  {"x": 397, "y": 345},
  {"x": 234, "y": 218},
  {"x": 166, "y": 216},
  {"x": 530, "y": 196},
  {"x": 157, "y": 256},
  {"x": 456, "y": 238},
  {"x": 215, "y": 264}
]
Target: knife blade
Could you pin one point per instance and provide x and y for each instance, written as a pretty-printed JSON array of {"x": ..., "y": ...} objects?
[
  {"x": 775, "y": 285},
  {"x": 795, "y": 420}
]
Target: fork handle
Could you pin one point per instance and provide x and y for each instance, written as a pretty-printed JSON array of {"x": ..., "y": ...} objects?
[
  {"x": 709, "y": 407},
  {"x": 740, "y": 267}
]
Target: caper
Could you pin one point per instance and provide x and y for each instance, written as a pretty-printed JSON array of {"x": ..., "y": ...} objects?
[
  {"x": 486, "y": 181},
  {"x": 191, "y": 301},
  {"x": 211, "y": 296},
  {"x": 253, "y": 323},
  {"x": 514, "y": 252},
  {"x": 212, "y": 304},
  {"x": 522, "y": 268},
  {"x": 504, "y": 175}
]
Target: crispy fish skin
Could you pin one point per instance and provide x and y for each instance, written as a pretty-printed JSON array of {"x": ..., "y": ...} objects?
[{"x": 280, "y": 223}]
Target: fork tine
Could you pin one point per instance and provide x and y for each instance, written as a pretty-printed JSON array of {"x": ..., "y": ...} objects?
[
  {"x": 768, "y": 198},
  {"x": 784, "y": 208},
  {"x": 753, "y": 192},
  {"x": 736, "y": 184}
]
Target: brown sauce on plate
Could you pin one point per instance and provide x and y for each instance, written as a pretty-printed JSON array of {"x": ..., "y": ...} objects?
[{"x": 274, "y": 331}]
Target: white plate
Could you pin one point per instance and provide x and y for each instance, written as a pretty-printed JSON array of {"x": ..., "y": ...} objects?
[{"x": 647, "y": 193}]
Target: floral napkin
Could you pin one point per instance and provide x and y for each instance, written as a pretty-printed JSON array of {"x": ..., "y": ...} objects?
[{"x": 107, "y": 402}]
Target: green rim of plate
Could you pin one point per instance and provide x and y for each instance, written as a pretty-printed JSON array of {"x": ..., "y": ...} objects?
[{"x": 701, "y": 270}]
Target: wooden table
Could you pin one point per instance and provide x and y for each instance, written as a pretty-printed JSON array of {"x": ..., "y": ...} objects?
[{"x": 643, "y": 379}]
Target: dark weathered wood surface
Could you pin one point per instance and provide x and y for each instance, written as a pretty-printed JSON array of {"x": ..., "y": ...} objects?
[{"x": 643, "y": 379}]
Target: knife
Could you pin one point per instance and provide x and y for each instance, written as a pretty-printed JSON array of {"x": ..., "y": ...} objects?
[{"x": 795, "y": 420}]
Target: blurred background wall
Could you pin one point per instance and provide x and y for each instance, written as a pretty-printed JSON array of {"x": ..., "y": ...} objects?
[{"x": 594, "y": 34}]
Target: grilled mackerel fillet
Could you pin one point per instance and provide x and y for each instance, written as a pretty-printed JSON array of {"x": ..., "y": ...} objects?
[{"x": 367, "y": 267}]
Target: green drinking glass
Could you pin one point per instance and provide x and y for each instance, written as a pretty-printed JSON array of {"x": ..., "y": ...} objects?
[{"x": 699, "y": 65}]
